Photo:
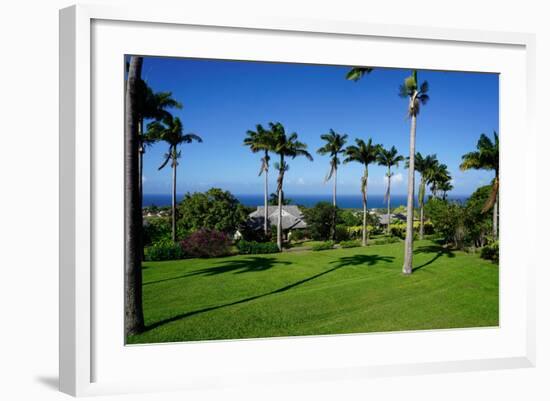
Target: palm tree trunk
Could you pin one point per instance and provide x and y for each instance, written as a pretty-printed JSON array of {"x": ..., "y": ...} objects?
[
  {"x": 266, "y": 214},
  {"x": 495, "y": 218},
  {"x": 280, "y": 199},
  {"x": 140, "y": 158},
  {"x": 389, "y": 202},
  {"x": 174, "y": 167},
  {"x": 421, "y": 204},
  {"x": 365, "y": 209},
  {"x": 408, "y": 258},
  {"x": 334, "y": 187},
  {"x": 280, "y": 222},
  {"x": 133, "y": 306}
]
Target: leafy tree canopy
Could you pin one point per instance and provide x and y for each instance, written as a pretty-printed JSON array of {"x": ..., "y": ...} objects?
[
  {"x": 319, "y": 220},
  {"x": 214, "y": 209}
]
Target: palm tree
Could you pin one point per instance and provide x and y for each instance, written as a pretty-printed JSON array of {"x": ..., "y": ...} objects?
[
  {"x": 133, "y": 307},
  {"x": 388, "y": 158},
  {"x": 285, "y": 146},
  {"x": 486, "y": 158},
  {"x": 274, "y": 199},
  {"x": 416, "y": 95},
  {"x": 257, "y": 141},
  {"x": 439, "y": 175},
  {"x": 426, "y": 167},
  {"x": 445, "y": 187},
  {"x": 171, "y": 131},
  {"x": 356, "y": 73},
  {"x": 364, "y": 153},
  {"x": 151, "y": 105},
  {"x": 334, "y": 146}
]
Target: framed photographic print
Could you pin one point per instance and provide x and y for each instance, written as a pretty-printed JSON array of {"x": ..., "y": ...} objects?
[{"x": 275, "y": 200}]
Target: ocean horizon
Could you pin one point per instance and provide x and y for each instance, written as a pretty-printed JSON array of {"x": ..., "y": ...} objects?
[{"x": 345, "y": 201}]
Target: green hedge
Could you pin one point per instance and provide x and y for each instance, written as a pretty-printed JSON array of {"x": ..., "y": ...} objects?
[
  {"x": 350, "y": 244},
  {"x": 164, "y": 250},
  {"x": 490, "y": 251},
  {"x": 253, "y": 247},
  {"x": 323, "y": 246}
]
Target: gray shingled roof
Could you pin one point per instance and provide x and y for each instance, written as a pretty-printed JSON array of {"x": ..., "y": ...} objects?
[{"x": 292, "y": 217}]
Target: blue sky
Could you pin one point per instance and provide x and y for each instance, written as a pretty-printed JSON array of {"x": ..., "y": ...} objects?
[{"x": 223, "y": 99}]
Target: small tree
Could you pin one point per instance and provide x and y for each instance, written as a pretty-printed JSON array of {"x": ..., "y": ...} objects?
[
  {"x": 214, "y": 209},
  {"x": 320, "y": 218}
]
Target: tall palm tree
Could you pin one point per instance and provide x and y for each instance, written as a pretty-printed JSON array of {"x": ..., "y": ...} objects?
[
  {"x": 417, "y": 95},
  {"x": 334, "y": 146},
  {"x": 486, "y": 158},
  {"x": 388, "y": 158},
  {"x": 133, "y": 307},
  {"x": 171, "y": 131},
  {"x": 285, "y": 146},
  {"x": 426, "y": 167},
  {"x": 364, "y": 153},
  {"x": 438, "y": 176},
  {"x": 151, "y": 106},
  {"x": 261, "y": 140}
]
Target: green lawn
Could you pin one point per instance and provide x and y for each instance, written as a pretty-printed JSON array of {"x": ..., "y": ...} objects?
[{"x": 303, "y": 293}]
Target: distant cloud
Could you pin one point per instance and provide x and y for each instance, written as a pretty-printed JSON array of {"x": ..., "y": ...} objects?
[
  {"x": 143, "y": 178},
  {"x": 395, "y": 179},
  {"x": 301, "y": 181}
]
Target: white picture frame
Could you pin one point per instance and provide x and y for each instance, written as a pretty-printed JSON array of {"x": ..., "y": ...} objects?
[{"x": 81, "y": 342}]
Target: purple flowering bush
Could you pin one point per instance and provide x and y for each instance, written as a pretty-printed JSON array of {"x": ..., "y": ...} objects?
[{"x": 206, "y": 243}]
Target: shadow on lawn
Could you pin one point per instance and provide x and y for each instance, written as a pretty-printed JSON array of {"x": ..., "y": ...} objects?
[
  {"x": 437, "y": 249},
  {"x": 251, "y": 264},
  {"x": 238, "y": 266},
  {"x": 341, "y": 262}
]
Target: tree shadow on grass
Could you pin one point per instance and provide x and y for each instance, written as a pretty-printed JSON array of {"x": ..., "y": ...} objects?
[
  {"x": 238, "y": 266},
  {"x": 438, "y": 250},
  {"x": 358, "y": 260},
  {"x": 248, "y": 265},
  {"x": 341, "y": 262}
]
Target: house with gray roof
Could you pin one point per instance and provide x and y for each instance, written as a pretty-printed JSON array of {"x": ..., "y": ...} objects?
[{"x": 292, "y": 217}]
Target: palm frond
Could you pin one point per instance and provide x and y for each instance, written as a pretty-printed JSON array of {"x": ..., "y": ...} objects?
[{"x": 356, "y": 73}]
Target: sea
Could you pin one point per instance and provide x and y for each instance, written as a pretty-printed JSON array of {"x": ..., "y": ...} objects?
[{"x": 344, "y": 201}]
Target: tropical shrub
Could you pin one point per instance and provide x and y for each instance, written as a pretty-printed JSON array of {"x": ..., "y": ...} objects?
[
  {"x": 254, "y": 234},
  {"x": 155, "y": 229},
  {"x": 490, "y": 251},
  {"x": 323, "y": 246},
  {"x": 163, "y": 249},
  {"x": 214, "y": 209},
  {"x": 320, "y": 219},
  {"x": 351, "y": 218},
  {"x": 350, "y": 244},
  {"x": 206, "y": 243},
  {"x": 253, "y": 247},
  {"x": 341, "y": 233},
  {"x": 297, "y": 235},
  {"x": 386, "y": 240}
]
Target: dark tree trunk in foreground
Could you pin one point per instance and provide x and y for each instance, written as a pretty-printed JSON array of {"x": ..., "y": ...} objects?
[{"x": 133, "y": 322}]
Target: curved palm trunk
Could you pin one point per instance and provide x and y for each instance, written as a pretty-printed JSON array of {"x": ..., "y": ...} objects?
[
  {"x": 408, "y": 258},
  {"x": 266, "y": 214},
  {"x": 365, "y": 209},
  {"x": 133, "y": 307},
  {"x": 388, "y": 193},
  {"x": 174, "y": 167}
]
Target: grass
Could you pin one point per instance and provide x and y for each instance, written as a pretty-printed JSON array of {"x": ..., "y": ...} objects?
[{"x": 354, "y": 290}]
